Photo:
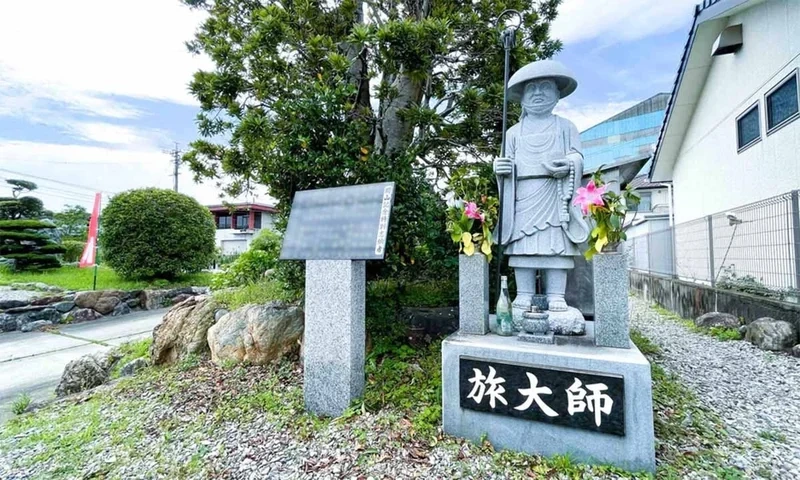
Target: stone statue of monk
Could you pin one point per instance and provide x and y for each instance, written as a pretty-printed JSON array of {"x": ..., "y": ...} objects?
[{"x": 540, "y": 174}]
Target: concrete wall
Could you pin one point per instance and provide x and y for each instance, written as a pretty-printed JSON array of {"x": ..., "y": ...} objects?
[
  {"x": 710, "y": 176},
  {"x": 232, "y": 241},
  {"x": 690, "y": 300}
]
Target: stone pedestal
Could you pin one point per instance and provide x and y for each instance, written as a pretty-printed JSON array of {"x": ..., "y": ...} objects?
[
  {"x": 634, "y": 450},
  {"x": 473, "y": 294},
  {"x": 334, "y": 339},
  {"x": 611, "y": 313}
]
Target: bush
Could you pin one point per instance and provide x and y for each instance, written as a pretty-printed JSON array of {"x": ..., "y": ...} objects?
[
  {"x": 268, "y": 241},
  {"x": 72, "y": 250},
  {"x": 249, "y": 267},
  {"x": 263, "y": 291},
  {"x": 150, "y": 232}
]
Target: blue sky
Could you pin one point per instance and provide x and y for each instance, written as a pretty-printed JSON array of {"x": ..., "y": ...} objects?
[{"x": 93, "y": 94}]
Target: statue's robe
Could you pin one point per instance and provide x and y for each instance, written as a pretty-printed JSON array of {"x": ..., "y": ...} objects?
[{"x": 533, "y": 199}]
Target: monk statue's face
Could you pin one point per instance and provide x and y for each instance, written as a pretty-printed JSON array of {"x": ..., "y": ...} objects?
[{"x": 540, "y": 97}]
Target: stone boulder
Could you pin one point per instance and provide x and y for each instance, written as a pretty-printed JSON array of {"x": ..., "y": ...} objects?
[
  {"x": 796, "y": 351},
  {"x": 103, "y": 301},
  {"x": 64, "y": 307},
  {"x": 6, "y": 304},
  {"x": 257, "y": 334},
  {"x": 770, "y": 334},
  {"x": 47, "y": 300},
  {"x": 82, "y": 315},
  {"x": 133, "y": 366},
  {"x": 220, "y": 313},
  {"x": 181, "y": 297},
  {"x": 86, "y": 372},
  {"x": 152, "y": 299},
  {"x": 49, "y": 315},
  {"x": 8, "y": 322},
  {"x": 87, "y": 299},
  {"x": 183, "y": 330},
  {"x": 106, "y": 304},
  {"x": 122, "y": 308},
  {"x": 35, "y": 325},
  {"x": 717, "y": 319}
]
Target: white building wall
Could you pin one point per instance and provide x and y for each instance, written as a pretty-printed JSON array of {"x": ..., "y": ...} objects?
[
  {"x": 710, "y": 176},
  {"x": 231, "y": 241}
]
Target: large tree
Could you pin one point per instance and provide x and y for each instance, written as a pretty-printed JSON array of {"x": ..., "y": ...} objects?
[
  {"x": 73, "y": 222},
  {"x": 22, "y": 237},
  {"x": 311, "y": 94}
]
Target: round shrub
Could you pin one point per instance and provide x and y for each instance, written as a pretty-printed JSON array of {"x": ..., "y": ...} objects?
[
  {"x": 155, "y": 233},
  {"x": 73, "y": 249},
  {"x": 248, "y": 268}
]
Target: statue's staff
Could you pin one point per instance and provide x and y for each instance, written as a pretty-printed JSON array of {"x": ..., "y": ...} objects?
[{"x": 507, "y": 38}]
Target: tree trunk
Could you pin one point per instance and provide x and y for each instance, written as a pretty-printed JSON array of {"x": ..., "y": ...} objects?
[{"x": 394, "y": 133}]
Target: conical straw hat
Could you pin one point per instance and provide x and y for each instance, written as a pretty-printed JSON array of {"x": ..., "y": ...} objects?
[{"x": 564, "y": 79}]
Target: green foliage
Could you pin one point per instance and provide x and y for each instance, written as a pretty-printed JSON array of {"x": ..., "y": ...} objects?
[
  {"x": 472, "y": 183},
  {"x": 20, "y": 218},
  {"x": 386, "y": 298},
  {"x": 263, "y": 291},
  {"x": 20, "y": 404},
  {"x": 73, "y": 221},
  {"x": 609, "y": 218},
  {"x": 72, "y": 250},
  {"x": 268, "y": 241},
  {"x": 249, "y": 267},
  {"x": 315, "y": 119},
  {"x": 74, "y": 278},
  {"x": 154, "y": 233},
  {"x": 131, "y": 351}
]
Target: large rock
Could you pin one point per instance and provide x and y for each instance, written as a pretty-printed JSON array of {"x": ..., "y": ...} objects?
[
  {"x": 133, "y": 366},
  {"x": 64, "y": 307},
  {"x": 181, "y": 297},
  {"x": 717, "y": 319},
  {"x": 46, "y": 300},
  {"x": 106, "y": 304},
  {"x": 183, "y": 330},
  {"x": 257, "y": 334},
  {"x": 82, "y": 315},
  {"x": 770, "y": 334},
  {"x": 8, "y": 322},
  {"x": 49, "y": 315},
  {"x": 122, "y": 308},
  {"x": 86, "y": 372},
  {"x": 152, "y": 299},
  {"x": 6, "y": 304},
  {"x": 87, "y": 299},
  {"x": 36, "y": 325}
]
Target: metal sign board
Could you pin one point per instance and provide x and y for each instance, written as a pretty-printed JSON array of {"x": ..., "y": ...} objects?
[{"x": 343, "y": 223}]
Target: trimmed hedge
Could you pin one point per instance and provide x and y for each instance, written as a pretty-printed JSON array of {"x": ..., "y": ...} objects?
[
  {"x": 155, "y": 233},
  {"x": 24, "y": 224}
]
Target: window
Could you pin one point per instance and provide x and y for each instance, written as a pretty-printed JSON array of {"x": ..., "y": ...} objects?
[
  {"x": 782, "y": 105},
  {"x": 748, "y": 128},
  {"x": 646, "y": 204},
  {"x": 242, "y": 221},
  {"x": 258, "y": 220},
  {"x": 224, "y": 221}
]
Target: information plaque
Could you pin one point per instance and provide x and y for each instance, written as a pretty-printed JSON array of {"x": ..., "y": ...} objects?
[
  {"x": 343, "y": 223},
  {"x": 584, "y": 400}
]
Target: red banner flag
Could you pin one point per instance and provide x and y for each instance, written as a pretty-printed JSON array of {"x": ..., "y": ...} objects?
[{"x": 88, "y": 256}]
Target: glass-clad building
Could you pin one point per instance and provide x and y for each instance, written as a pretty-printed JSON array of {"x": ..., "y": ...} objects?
[{"x": 626, "y": 136}]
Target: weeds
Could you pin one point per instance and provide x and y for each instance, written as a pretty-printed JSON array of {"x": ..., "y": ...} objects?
[{"x": 21, "y": 404}]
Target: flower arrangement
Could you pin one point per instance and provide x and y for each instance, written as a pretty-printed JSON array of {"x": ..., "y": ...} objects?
[
  {"x": 472, "y": 210},
  {"x": 607, "y": 211}
]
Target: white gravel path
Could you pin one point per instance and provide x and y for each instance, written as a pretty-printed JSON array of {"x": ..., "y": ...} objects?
[{"x": 756, "y": 393}]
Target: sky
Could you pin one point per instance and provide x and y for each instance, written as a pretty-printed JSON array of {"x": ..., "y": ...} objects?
[{"x": 93, "y": 93}]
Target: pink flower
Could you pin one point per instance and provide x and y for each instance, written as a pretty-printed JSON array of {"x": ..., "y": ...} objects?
[
  {"x": 471, "y": 211},
  {"x": 590, "y": 195}
]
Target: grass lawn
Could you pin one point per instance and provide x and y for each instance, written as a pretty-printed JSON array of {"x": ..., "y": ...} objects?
[{"x": 74, "y": 278}]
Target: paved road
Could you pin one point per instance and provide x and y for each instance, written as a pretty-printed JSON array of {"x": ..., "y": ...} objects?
[{"x": 32, "y": 362}]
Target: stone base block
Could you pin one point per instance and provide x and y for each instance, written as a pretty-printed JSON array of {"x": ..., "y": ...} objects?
[
  {"x": 473, "y": 294},
  {"x": 545, "y": 338},
  {"x": 635, "y": 451},
  {"x": 334, "y": 338}
]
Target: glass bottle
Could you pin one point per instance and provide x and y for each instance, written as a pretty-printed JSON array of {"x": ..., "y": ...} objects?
[{"x": 505, "y": 323}]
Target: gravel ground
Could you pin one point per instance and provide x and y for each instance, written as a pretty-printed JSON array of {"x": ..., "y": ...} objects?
[
  {"x": 23, "y": 295},
  {"x": 756, "y": 393}
]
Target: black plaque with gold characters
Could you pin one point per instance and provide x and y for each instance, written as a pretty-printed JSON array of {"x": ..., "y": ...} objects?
[
  {"x": 584, "y": 400},
  {"x": 343, "y": 223}
]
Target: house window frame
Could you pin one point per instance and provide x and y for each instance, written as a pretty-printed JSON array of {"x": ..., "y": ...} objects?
[
  {"x": 220, "y": 226},
  {"x": 790, "y": 118},
  {"x": 650, "y": 197},
  {"x": 235, "y": 221},
  {"x": 755, "y": 105}
]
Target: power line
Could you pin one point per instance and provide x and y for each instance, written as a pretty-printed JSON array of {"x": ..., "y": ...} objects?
[{"x": 84, "y": 187}]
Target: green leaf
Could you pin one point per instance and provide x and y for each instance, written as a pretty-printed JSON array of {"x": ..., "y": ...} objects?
[{"x": 615, "y": 221}]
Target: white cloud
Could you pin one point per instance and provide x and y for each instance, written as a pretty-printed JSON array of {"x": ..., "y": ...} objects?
[
  {"x": 83, "y": 52},
  {"x": 612, "y": 21},
  {"x": 589, "y": 115},
  {"x": 104, "y": 169}
]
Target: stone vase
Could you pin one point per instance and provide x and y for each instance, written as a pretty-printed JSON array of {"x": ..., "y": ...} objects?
[
  {"x": 473, "y": 294},
  {"x": 611, "y": 314}
]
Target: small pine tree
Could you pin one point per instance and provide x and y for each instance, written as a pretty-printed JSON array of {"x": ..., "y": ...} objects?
[{"x": 22, "y": 237}]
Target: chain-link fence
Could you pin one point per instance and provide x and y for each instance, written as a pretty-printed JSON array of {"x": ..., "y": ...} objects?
[{"x": 754, "y": 248}]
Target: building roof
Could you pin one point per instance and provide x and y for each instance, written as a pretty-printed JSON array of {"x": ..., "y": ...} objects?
[
  {"x": 256, "y": 207},
  {"x": 642, "y": 182},
  {"x": 630, "y": 134},
  {"x": 710, "y": 19}
]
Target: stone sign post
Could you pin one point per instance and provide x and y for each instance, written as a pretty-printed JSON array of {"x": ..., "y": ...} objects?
[{"x": 335, "y": 230}]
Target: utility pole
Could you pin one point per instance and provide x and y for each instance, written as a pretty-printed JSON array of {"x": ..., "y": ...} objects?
[{"x": 176, "y": 159}]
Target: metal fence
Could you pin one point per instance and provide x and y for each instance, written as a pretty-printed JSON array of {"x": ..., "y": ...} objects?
[{"x": 754, "y": 248}]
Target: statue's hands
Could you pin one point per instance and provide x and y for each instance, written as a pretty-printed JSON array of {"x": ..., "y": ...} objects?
[
  {"x": 558, "y": 168},
  {"x": 503, "y": 166}
]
